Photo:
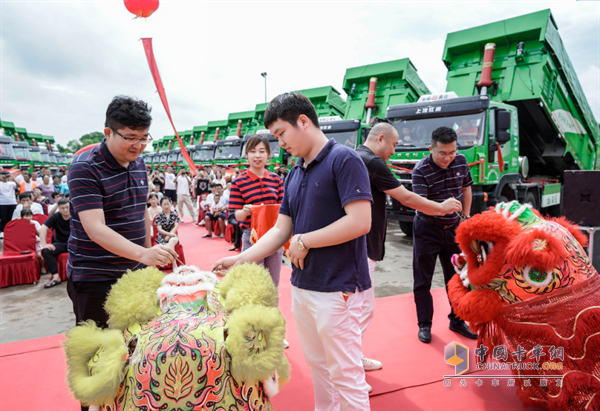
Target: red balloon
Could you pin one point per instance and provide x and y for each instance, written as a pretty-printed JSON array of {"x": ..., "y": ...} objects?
[
  {"x": 141, "y": 8},
  {"x": 86, "y": 148}
]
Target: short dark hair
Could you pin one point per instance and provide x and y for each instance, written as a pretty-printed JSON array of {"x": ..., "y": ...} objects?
[
  {"x": 153, "y": 195},
  {"x": 26, "y": 194},
  {"x": 288, "y": 107},
  {"x": 256, "y": 140},
  {"x": 56, "y": 194},
  {"x": 128, "y": 112},
  {"x": 62, "y": 201},
  {"x": 26, "y": 211},
  {"x": 443, "y": 135},
  {"x": 165, "y": 198}
]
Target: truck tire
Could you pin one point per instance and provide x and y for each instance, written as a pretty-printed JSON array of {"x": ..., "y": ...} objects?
[
  {"x": 406, "y": 227},
  {"x": 530, "y": 198},
  {"x": 502, "y": 199}
]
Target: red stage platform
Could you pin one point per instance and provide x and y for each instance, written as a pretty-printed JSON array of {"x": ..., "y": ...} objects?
[{"x": 32, "y": 372}]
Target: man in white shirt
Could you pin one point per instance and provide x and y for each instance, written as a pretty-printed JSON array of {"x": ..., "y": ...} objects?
[
  {"x": 183, "y": 194},
  {"x": 170, "y": 188},
  {"x": 216, "y": 211},
  {"x": 8, "y": 201},
  {"x": 26, "y": 201},
  {"x": 19, "y": 179},
  {"x": 63, "y": 179}
]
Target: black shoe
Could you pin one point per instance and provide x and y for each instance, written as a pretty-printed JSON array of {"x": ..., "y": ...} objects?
[
  {"x": 425, "y": 335},
  {"x": 463, "y": 329}
]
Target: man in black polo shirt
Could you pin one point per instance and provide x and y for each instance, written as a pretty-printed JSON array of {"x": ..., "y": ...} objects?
[
  {"x": 61, "y": 224},
  {"x": 379, "y": 147},
  {"x": 443, "y": 174},
  {"x": 326, "y": 206}
]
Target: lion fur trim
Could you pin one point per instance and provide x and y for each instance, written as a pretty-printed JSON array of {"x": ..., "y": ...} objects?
[
  {"x": 249, "y": 363},
  {"x": 132, "y": 300},
  {"x": 97, "y": 383},
  {"x": 246, "y": 284}
]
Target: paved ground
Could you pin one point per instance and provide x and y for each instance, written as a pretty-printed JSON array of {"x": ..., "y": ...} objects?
[{"x": 29, "y": 311}]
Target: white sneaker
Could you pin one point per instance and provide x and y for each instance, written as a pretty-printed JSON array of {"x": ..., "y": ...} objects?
[
  {"x": 369, "y": 388},
  {"x": 370, "y": 365},
  {"x": 286, "y": 344}
]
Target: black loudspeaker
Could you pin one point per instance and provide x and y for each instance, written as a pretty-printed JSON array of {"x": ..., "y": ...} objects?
[
  {"x": 582, "y": 197},
  {"x": 593, "y": 247}
]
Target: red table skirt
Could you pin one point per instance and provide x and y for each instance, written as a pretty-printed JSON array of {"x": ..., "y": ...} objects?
[{"x": 19, "y": 269}]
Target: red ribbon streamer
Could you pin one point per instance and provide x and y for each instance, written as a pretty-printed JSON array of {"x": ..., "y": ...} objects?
[{"x": 163, "y": 97}]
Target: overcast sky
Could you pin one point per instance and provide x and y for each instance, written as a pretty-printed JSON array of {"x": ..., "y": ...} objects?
[{"x": 63, "y": 61}]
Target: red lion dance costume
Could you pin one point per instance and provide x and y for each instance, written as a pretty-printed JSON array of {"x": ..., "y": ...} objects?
[{"x": 524, "y": 281}]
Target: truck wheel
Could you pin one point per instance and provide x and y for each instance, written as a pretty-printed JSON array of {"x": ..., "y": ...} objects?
[
  {"x": 502, "y": 199},
  {"x": 406, "y": 227},
  {"x": 530, "y": 198}
]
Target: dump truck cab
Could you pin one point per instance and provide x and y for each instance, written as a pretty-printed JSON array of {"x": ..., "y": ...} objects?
[
  {"x": 36, "y": 157},
  {"x": 7, "y": 154},
  {"x": 228, "y": 152},
  {"x": 22, "y": 155},
  {"x": 204, "y": 154},
  {"x": 350, "y": 133}
]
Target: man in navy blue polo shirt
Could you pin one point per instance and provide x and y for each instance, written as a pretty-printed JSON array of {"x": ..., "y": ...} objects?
[
  {"x": 327, "y": 208},
  {"x": 110, "y": 225},
  {"x": 443, "y": 174}
]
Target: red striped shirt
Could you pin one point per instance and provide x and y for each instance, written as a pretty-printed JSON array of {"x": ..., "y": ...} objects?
[{"x": 250, "y": 189}]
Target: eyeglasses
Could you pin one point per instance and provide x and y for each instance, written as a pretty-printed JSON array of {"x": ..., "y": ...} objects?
[
  {"x": 132, "y": 141},
  {"x": 444, "y": 155}
]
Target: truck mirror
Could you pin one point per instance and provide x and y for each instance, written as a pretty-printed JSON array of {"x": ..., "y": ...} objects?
[{"x": 503, "y": 118}]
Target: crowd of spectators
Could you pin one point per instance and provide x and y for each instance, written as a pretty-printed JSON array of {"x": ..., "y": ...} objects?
[
  {"x": 24, "y": 195},
  {"x": 205, "y": 194}
]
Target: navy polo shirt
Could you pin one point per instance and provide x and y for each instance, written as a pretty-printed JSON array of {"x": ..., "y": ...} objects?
[
  {"x": 314, "y": 197},
  {"x": 97, "y": 181},
  {"x": 438, "y": 184}
]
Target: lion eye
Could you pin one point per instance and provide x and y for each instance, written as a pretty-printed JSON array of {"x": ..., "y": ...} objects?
[{"x": 536, "y": 277}]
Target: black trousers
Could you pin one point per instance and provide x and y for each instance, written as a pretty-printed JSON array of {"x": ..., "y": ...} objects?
[
  {"x": 50, "y": 256},
  {"x": 88, "y": 299},
  {"x": 6, "y": 212},
  {"x": 429, "y": 242},
  {"x": 237, "y": 238}
]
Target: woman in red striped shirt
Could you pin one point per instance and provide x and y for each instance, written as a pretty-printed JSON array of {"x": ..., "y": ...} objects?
[{"x": 256, "y": 186}]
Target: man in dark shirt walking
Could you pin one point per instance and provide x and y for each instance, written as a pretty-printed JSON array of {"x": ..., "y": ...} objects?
[
  {"x": 376, "y": 151},
  {"x": 61, "y": 224},
  {"x": 443, "y": 174}
]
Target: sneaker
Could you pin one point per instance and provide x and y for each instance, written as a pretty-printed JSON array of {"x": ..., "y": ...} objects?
[
  {"x": 286, "y": 344},
  {"x": 369, "y": 388},
  {"x": 370, "y": 365},
  {"x": 2, "y": 235}
]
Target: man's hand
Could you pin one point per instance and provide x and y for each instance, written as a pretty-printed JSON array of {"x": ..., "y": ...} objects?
[
  {"x": 221, "y": 267},
  {"x": 451, "y": 205},
  {"x": 50, "y": 247},
  {"x": 158, "y": 255},
  {"x": 296, "y": 255}
]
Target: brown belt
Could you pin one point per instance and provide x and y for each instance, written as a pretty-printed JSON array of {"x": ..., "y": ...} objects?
[{"x": 435, "y": 223}]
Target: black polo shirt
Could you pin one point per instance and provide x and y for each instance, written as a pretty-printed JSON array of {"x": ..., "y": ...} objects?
[
  {"x": 62, "y": 227},
  {"x": 97, "y": 181},
  {"x": 314, "y": 197},
  {"x": 382, "y": 180},
  {"x": 437, "y": 184}
]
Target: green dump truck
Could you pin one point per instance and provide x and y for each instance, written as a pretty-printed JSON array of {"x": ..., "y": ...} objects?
[
  {"x": 371, "y": 89},
  {"x": 22, "y": 155},
  {"x": 519, "y": 111}
]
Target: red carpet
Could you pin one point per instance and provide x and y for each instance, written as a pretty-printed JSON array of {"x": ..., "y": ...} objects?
[{"x": 32, "y": 372}]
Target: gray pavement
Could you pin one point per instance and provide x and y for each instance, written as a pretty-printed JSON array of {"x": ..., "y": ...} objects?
[{"x": 30, "y": 311}]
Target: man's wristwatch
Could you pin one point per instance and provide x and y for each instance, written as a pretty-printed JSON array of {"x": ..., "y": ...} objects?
[{"x": 300, "y": 244}]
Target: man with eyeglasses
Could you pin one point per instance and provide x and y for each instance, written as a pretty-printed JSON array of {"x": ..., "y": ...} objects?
[
  {"x": 110, "y": 225},
  {"x": 443, "y": 174}
]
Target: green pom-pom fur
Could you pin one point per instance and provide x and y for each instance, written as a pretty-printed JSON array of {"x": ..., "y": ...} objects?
[
  {"x": 248, "y": 284},
  {"x": 96, "y": 383}
]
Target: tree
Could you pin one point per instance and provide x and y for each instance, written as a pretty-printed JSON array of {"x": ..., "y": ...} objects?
[
  {"x": 74, "y": 145},
  {"x": 63, "y": 150},
  {"x": 91, "y": 138}
]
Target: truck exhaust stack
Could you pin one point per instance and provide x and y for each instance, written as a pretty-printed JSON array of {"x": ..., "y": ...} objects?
[
  {"x": 202, "y": 137},
  {"x": 371, "y": 98},
  {"x": 486, "y": 71},
  {"x": 217, "y": 134},
  {"x": 239, "y": 129}
]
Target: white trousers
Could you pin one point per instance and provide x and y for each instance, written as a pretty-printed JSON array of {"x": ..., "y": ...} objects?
[
  {"x": 185, "y": 199},
  {"x": 368, "y": 307},
  {"x": 330, "y": 337}
]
